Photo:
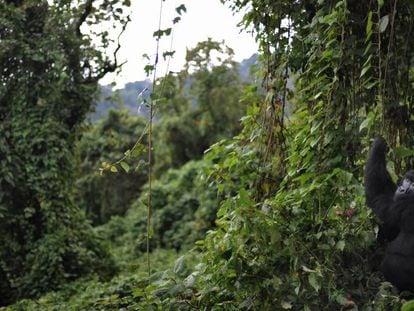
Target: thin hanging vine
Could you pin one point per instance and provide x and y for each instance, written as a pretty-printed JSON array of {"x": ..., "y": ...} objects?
[{"x": 138, "y": 149}]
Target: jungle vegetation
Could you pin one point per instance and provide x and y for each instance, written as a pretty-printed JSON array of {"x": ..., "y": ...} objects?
[{"x": 256, "y": 189}]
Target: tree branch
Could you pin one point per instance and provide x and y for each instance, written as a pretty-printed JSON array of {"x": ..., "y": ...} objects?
[
  {"x": 108, "y": 65},
  {"x": 86, "y": 11}
]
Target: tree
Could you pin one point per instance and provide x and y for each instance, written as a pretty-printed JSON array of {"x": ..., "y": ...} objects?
[
  {"x": 199, "y": 105},
  {"x": 48, "y": 80}
]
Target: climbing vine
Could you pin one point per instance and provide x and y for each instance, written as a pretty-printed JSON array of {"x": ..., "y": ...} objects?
[
  {"x": 286, "y": 240},
  {"x": 48, "y": 81}
]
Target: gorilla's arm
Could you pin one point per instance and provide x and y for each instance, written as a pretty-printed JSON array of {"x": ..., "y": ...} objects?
[{"x": 379, "y": 187}]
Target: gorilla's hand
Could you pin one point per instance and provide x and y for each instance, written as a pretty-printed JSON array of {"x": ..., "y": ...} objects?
[
  {"x": 380, "y": 189},
  {"x": 378, "y": 181},
  {"x": 380, "y": 144},
  {"x": 378, "y": 150}
]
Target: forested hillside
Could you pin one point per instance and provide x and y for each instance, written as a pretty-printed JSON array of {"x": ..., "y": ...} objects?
[
  {"x": 126, "y": 97},
  {"x": 229, "y": 193}
]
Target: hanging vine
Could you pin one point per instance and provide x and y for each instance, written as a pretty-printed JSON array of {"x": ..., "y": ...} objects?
[
  {"x": 349, "y": 64},
  {"x": 138, "y": 148}
]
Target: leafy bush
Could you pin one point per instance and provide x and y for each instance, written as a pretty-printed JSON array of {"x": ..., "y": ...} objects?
[
  {"x": 132, "y": 290},
  {"x": 310, "y": 245},
  {"x": 183, "y": 209}
]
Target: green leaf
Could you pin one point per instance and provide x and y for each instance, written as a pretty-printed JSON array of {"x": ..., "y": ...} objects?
[
  {"x": 314, "y": 282},
  {"x": 231, "y": 274},
  {"x": 306, "y": 269},
  {"x": 326, "y": 54},
  {"x": 148, "y": 68},
  {"x": 244, "y": 198},
  {"x": 370, "y": 85},
  {"x": 369, "y": 26},
  {"x": 286, "y": 305},
  {"x": 179, "y": 266},
  {"x": 138, "y": 292},
  {"x": 168, "y": 54},
  {"x": 340, "y": 245},
  {"x": 368, "y": 61},
  {"x": 364, "y": 71},
  {"x": 367, "y": 48},
  {"x": 189, "y": 282},
  {"x": 403, "y": 152},
  {"x": 137, "y": 151},
  {"x": 114, "y": 169},
  {"x": 383, "y": 23},
  {"x": 367, "y": 122},
  {"x": 158, "y": 33},
  {"x": 316, "y": 126},
  {"x": 162, "y": 32},
  {"x": 125, "y": 166},
  {"x": 180, "y": 9},
  {"x": 408, "y": 306}
]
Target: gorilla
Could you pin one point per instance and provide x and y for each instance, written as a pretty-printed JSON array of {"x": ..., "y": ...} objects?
[{"x": 394, "y": 206}]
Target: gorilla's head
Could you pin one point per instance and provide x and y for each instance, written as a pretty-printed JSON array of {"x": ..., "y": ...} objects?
[{"x": 406, "y": 186}]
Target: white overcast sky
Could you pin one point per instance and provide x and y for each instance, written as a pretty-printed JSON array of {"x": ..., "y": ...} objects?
[{"x": 204, "y": 18}]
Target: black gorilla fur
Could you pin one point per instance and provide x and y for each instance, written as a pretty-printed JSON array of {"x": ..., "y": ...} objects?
[{"x": 395, "y": 208}]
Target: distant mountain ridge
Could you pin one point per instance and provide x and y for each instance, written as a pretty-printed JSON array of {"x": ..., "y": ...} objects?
[
  {"x": 116, "y": 99},
  {"x": 126, "y": 97}
]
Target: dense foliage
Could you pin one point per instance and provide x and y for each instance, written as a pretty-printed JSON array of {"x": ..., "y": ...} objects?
[
  {"x": 198, "y": 106},
  {"x": 105, "y": 195},
  {"x": 48, "y": 78},
  {"x": 183, "y": 210},
  {"x": 307, "y": 242},
  {"x": 291, "y": 231}
]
